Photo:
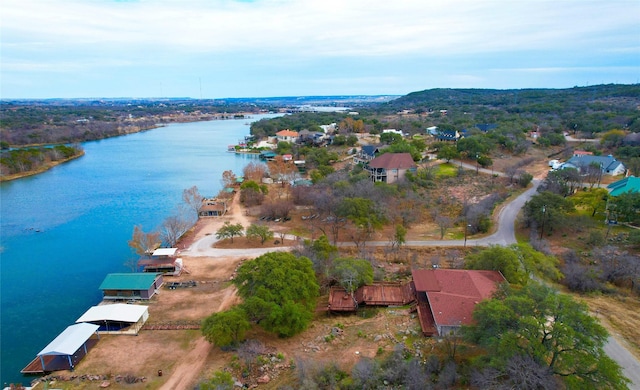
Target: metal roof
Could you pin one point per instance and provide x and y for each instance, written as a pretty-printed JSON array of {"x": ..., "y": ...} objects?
[
  {"x": 165, "y": 252},
  {"x": 628, "y": 184},
  {"x": 130, "y": 281},
  {"x": 117, "y": 312},
  {"x": 70, "y": 340}
]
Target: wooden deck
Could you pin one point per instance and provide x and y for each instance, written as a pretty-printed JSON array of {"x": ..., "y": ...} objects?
[
  {"x": 427, "y": 323},
  {"x": 57, "y": 362},
  {"x": 379, "y": 294}
]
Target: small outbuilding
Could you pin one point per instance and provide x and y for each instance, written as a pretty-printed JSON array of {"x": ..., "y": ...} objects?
[
  {"x": 117, "y": 318},
  {"x": 65, "y": 351},
  {"x": 141, "y": 285}
]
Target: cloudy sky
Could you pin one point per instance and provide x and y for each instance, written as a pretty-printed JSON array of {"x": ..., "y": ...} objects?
[{"x": 240, "y": 48}]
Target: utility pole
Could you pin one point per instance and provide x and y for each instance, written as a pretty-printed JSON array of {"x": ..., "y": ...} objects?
[{"x": 544, "y": 214}]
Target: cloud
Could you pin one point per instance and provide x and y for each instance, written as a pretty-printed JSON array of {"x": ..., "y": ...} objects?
[{"x": 319, "y": 42}]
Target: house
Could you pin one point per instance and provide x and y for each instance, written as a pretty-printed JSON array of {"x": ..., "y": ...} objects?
[
  {"x": 212, "y": 207},
  {"x": 391, "y": 167},
  {"x": 162, "y": 260},
  {"x": 366, "y": 154},
  {"x": 608, "y": 164},
  {"x": 65, "y": 351},
  {"x": 447, "y": 135},
  {"x": 117, "y": 318},
  {"x": 579, "y": 153},
  {"x": 140, "y": 285},
  {"x": 312, "y": 137},
  {"x": 446, "y": 297},
  {"x": 287, "y": 136},
  {"x": 628, "y": 184}
]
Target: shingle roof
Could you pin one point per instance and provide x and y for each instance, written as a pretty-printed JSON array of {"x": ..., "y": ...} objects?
[
  {"x": 128, "y": 281},
  {"x": 287, "y": 133},
  {"x": 369, "y": 150},
  {"x": 393, "y": 161},
  {"x": 608, "y": 163},
  {"x": 628, "y": 184},
  {"x": 453, "y": 294}
]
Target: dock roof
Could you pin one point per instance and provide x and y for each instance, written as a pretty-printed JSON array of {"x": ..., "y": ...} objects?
[
  {"x": 70, "y": 340},
  {"x": 128, "y": 281},
  {"x": 116, "y": 312}
]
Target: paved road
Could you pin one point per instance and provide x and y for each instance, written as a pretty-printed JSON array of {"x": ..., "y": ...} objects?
[
  {"x": 628, "y": 362},
  {"x": 505, "y": 235}
]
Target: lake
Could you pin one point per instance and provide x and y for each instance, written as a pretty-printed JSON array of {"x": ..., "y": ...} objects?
[{"x": 63, "y": 230}]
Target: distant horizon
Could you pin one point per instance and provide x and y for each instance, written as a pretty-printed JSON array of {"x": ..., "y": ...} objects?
[
  {"x": 236, "y": 48},
  {"x": 298, "y": 96}
]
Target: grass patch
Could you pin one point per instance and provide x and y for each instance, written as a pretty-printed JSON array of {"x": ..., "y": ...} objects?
[{"x": 446, "y": 170}]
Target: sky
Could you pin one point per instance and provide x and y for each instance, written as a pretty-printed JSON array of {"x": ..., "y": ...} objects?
[{"x": 264, "y": 48}]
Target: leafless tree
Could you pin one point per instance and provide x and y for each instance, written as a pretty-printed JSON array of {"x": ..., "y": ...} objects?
[
  {"x": 254, "y": 171},
  {"x": 193, "y": 199},
  {"x": 250, "y": 350},
  {"x": 144, "y": 243},
  {"x": 173, "y": 228}
]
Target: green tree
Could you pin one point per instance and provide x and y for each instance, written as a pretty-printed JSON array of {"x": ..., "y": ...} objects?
[
  {"x": 221, "y": 380},
  {"x": 485, "y": 161},
  {"x": 399, "y": 236},
  {"x": 229, "y": 230},
  {"x": 352, "y": 273},
  {"x": 594, "y": 200},
  {"x": 547, "y": 211},
  {"x": 287, "y": 286},
  {"x": 390, "y": 138},
  {"x": 549, "y": 327},
  {"x": 226, "y": 328},
  {"x": 499, "y": 258},
  {"x": 448, "y": 152},
  {"x": 259, "y": 231},
  {"x": 625, "y": 207}
]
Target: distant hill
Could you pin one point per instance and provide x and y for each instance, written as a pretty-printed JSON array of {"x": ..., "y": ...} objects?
[{"x": 624, "y": 94}]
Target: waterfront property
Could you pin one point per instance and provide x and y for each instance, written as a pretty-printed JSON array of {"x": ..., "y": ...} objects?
[
  {"x": 117, "y": 318},
  {"x": 120, "y": 286},
  {"x": 65, "y": 351},
  {"x": 162, "y": 260},
  {"x": 213, "y": 207}
]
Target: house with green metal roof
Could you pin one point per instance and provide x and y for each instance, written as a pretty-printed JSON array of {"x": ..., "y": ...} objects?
[
  {"x": 141, "y": 285},
  {"x": 628, "y": 184}
]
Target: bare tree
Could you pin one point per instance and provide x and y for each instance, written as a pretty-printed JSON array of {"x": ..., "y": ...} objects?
[
  {"x": 144, "y": 243},
  {"x": 228, "y": 179},
  {"x": 254, "y": 171},
  {"x": 193, "y": 199},
  {"x": 173, "y": 228}
]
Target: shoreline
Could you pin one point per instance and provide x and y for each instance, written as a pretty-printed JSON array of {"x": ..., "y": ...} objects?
[{"x": 41, "y": 169}]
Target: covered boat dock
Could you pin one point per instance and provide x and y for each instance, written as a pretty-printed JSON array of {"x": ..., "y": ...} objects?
[
  {"x": 65, "y": 351},
  {"x": 117, "y": 318}
]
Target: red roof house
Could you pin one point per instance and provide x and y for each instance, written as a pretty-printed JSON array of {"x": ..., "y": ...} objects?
[
  {"x": 287, "y": 136},
  {"x": 391, "y": 167},
  {"x": 446, "y": 297}
]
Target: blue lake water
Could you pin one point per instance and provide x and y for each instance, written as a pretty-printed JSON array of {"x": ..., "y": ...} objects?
[{"x": 62, "y": 231}]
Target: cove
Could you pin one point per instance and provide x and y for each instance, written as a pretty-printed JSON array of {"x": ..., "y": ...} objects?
[{"x": 63, "y": 230}]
